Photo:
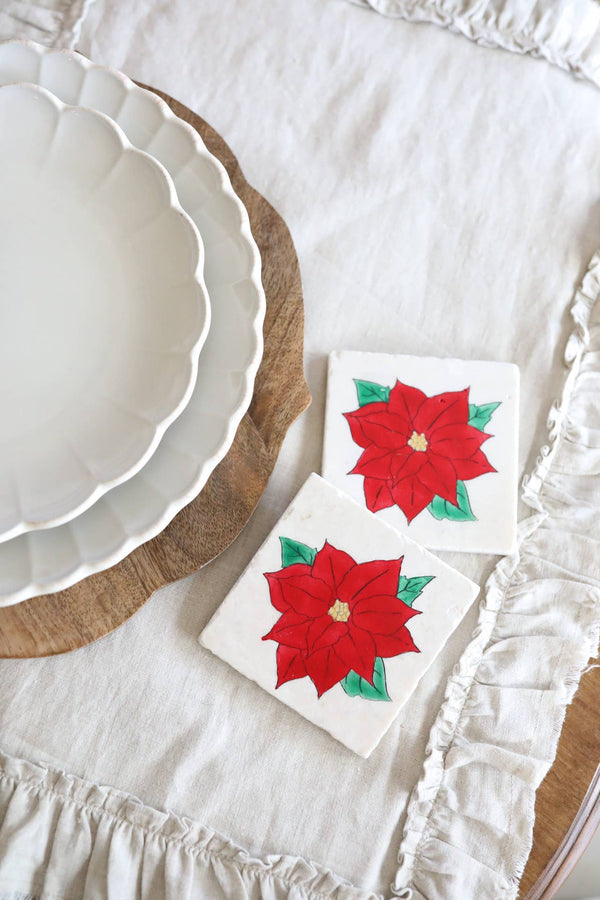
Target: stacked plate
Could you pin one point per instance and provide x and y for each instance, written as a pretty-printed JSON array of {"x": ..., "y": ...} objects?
[{"x": 131, "y": 313}]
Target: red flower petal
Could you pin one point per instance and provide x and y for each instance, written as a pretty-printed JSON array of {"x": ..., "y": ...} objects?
[
  {"x": 355, "y": 418},
  {"x": 357, "y": 649},
  {"x": 477, "y": 465},
  {"x": 363, "y": 412},
  {"x": 385, "y": 430},
  {"x": 457, "y": 441},
  {"x": 394, "y": 644},
  {"x": 306, "y": 595},
  {"x": 325, "y": 669},
  {"x": 290, "y": 665},
  {"x": 450, "y": 408},
  {"x": 439, "y": 475},
  {"x": 411, "y": 496},
  {"x": 290, "y": 629},
  {"x": 331, "y": 565},
  {"x": 383, "y": 614},
  {"x": 377, "y": 494},
  {"x": 371, "y": 579},
  {"x": 406, "y": 401},
  {"x": 375, "y": 462},
  {"x": 407, "y": 463},
  {"x": 324, "y": 632},
  {"x": 274, "y": 579}
]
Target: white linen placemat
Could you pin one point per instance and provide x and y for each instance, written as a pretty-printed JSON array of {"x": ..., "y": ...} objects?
[{"x": 443, "y": 199}]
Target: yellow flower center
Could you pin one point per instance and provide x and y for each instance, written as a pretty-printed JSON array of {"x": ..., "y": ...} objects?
[
  {"x": 418, "y": 442},
  {"x": 339, "y": 612}
]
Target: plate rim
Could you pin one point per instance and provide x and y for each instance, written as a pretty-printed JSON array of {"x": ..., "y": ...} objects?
[
  {"x": 128, "y": 544},
  {"x": 189, "y": 358}
]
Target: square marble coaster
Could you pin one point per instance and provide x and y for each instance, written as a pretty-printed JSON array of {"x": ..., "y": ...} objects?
[
  {"x": 339, "y": 616},
  {"x": 429, "y": 445}
]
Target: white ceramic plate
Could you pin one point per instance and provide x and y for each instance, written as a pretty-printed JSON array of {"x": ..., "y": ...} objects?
[
  {"x": 134, "y": 512},
  {"x": 102, "y": 308}
]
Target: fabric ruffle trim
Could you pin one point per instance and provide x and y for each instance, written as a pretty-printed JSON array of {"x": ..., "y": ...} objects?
[
  {"x": 98, "y": 823},
  {"x": 56, "y": 23},
  {"x": 496, "y": 734},
  {"x": 564, "y": 32}
]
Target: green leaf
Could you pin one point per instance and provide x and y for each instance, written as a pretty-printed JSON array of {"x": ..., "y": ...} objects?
[
  {"x": 411, "y": 588},
  {"x": 295, "y": 552},
  {"x": 355, "y": 686},
  {"x": 479, "y": 416},
  {"x": 369, "y": 392},
  {"x": 442, "y": 509}
]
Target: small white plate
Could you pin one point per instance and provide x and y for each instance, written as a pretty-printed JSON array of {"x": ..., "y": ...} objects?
[
  {"x": 102, "y": 308},
  {"x": 49, "y": 560}
]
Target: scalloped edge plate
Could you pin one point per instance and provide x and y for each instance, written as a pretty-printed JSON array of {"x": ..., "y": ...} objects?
[
  {"x": 45, "y": 561},
  {"x": 87, "y": 350}
]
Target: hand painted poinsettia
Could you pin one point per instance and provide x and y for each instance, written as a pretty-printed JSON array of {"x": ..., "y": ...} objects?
[
  {"x": 337, "y": 617},
  {"x": 416, "y": 448}
]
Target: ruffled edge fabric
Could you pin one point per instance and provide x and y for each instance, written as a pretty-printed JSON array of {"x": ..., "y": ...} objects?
[
  {"x": 27, "y": 784},
  {"x": 557, "y": 490},
  {"x": 55, "y": 23},
  {"x": 564, "y": 32}
]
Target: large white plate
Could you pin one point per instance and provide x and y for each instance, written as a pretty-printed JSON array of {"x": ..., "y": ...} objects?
[
  {"x": 102, "y": 308},
  {"x": 44, "y": 561}
]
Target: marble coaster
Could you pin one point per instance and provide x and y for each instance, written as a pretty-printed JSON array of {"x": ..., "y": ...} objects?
[
  {"x": 339, "y": 616},
  {"x": 429, "y": 445}
]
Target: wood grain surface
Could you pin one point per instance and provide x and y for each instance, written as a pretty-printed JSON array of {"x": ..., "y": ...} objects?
[
  {"x": 568, "y": 802},
  {"x": 56, "y": 623}
]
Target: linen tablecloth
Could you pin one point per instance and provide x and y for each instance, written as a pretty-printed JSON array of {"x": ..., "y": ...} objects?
[
  {"x": 55, "y": 23},
  {"x": 443, "y": 199}
]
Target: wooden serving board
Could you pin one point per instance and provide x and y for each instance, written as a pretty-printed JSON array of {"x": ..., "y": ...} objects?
[
  {"x": 567, "y": 805},
  {"x": 56, "y": 623}
]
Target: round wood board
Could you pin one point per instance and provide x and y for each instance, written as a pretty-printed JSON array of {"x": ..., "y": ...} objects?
[
  {"x": 67, "y": 620},
  {"x": 567, "y": 804}
]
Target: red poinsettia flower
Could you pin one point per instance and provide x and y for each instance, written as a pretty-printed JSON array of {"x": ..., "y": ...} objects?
[
  {"x": 337, "y": 616},
  {"x": 416, "y": 447}
]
